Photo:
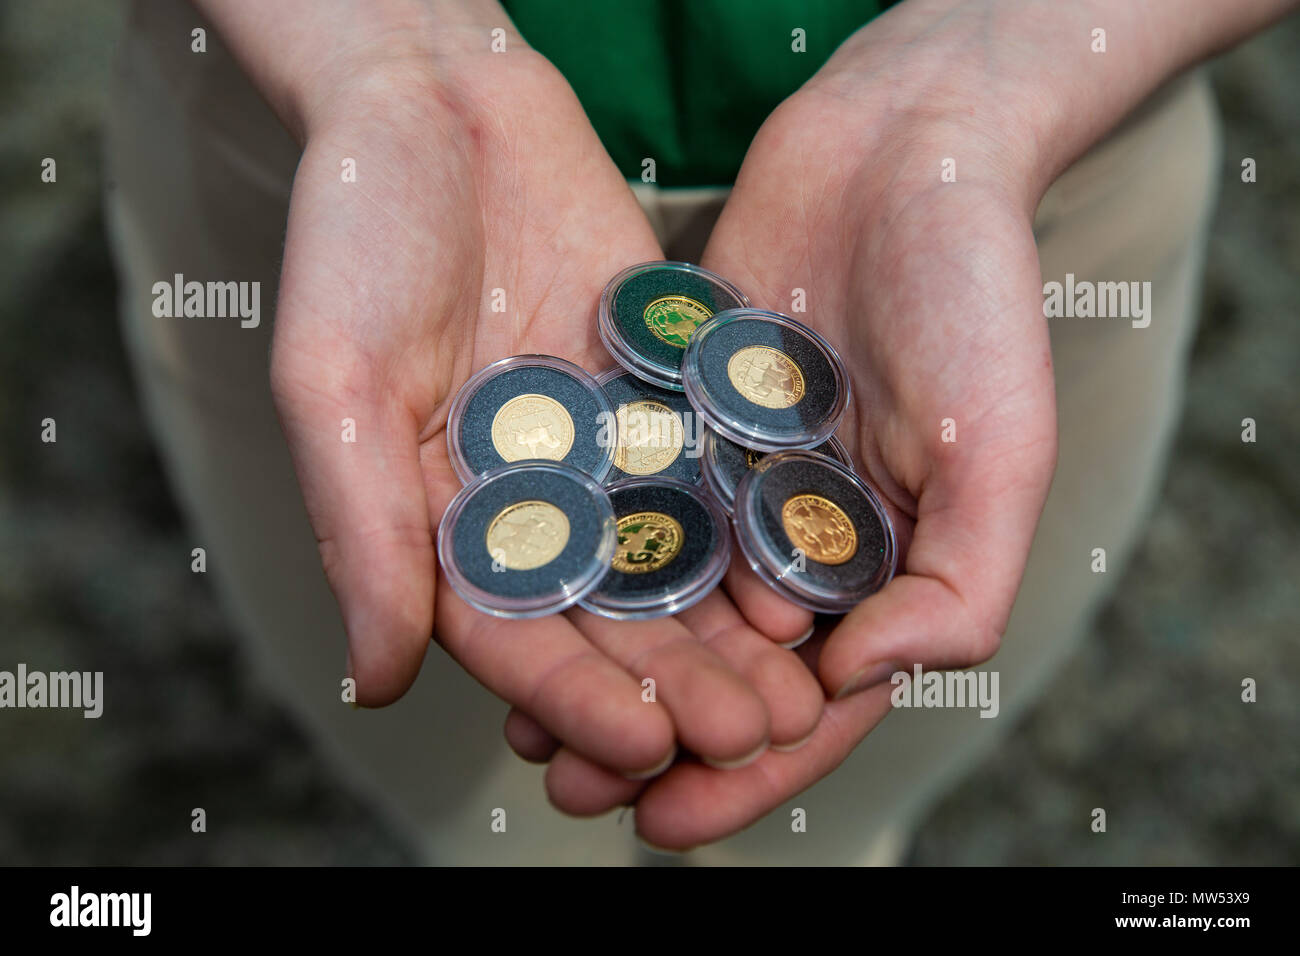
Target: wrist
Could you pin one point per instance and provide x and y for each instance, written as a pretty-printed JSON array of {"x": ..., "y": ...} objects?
[
  {"x": 949, "y": 81},
  {"x": 315, "y": 59},
  {"x": 1026, "y": 86}
]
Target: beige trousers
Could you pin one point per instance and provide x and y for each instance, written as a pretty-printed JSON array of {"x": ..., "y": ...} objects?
[{"x": 200, "y": 175}]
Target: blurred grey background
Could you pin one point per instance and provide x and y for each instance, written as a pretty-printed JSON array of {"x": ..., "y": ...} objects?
[{"x": 1146, "y": 720}]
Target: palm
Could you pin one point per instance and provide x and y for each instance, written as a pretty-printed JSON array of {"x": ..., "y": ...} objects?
[{"x": 387, "y": 306}]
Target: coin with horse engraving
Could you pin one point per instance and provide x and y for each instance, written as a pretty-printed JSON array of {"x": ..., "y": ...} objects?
[
  {"x": 672, "y": 546},
  {"x": 814, "y": 531},
  {"x": 532, "y": 426},
  {"x": 528, "y": 408},
  {"x": 649, "y": 312}
]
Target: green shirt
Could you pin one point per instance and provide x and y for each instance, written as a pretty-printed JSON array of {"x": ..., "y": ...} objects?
[{"x": 686, "y": 83}]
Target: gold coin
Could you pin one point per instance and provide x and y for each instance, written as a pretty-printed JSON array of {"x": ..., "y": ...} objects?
[
  {"x": 532, "y": 426},
  {"x": 820, "y": 529},
  {"x": 674, "y": 318},
  {"x": 650, "y": 437},
  {"x": 527, "y": 535},
  {"x": 766, "y": 376},
  {"x": 647, "y": 541}
]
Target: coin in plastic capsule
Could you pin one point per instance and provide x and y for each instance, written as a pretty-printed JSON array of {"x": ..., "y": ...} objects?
[
  {"x": 724, "y": 463},
  {"x": 527, "y": 539},
  {"x": 525, "y": 408},
  {"x": 656, "y": 432},
  {"x": 765, "y": 380},
  {"x": 673, "y": 547},
  {"x": 814, "y": 531},
  {"x": 648, "y": 313}
]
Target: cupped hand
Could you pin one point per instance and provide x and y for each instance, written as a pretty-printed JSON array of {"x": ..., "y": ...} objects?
[
  {"x": 930, "y": 290},
  {"x": 476, "y": 180}
]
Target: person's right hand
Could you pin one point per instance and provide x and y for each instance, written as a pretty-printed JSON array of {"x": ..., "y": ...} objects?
[{"x": 478, "y": 171}]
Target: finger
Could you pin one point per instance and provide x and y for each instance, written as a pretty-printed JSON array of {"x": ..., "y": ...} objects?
[
  {"x": 693, "y": 804},
  {"x": 964, "y": 566},
  {"x": 791, "y": 693},
  {"x": 718, "y": 715},
  {"x": 580, "y": 788},
  {"x": 528, "y": 738},
  {"x": 766, "y": 611},
  {"x": 549, "y": 670}
]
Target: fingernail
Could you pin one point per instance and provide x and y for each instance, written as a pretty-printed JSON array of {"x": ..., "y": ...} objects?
[
  {"x": 790, "y": 748},
  {"x": 657, "y": 850},
  {"x": 799, "y": 640},
  {"x": 868, "y": 677},
  {"x": 739, "y": 762},
  {"x": 656, "y": 770}
]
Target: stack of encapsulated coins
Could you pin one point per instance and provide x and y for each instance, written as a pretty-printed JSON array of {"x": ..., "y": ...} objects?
[{"x": 616, "y": 493}]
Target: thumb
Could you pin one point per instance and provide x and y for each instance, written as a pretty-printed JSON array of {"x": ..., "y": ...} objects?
[{"x": 963, "y": 565}]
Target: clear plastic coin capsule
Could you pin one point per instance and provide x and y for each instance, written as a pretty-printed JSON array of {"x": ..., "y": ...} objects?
[
  {"x": 673, "y": 547},
  {"x": 529, "y": 407},
  {"x": 814, "y": 531},
  {"x": 724, "y": 463},
  {"x": 765, "y": 381},
  {"x": 655, "y": 431},
  {"x": 527, "y": 539},
  {"x": 648, "y": 313}
]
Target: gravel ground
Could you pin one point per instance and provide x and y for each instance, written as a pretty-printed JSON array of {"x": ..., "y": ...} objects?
[{"x": 1146, "y": 720}]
